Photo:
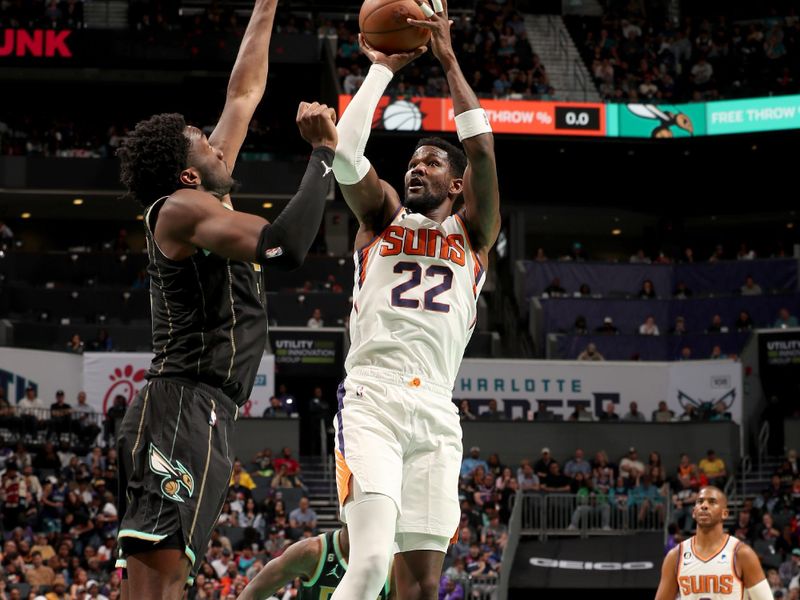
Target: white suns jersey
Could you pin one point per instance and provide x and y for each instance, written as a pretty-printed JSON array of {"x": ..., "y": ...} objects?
[
  {"x": 712, "y": 578},
  {"x": 414, "y": 299}
]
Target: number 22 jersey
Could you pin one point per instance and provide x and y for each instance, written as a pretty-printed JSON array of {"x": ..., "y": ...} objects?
[{"x": 415, "y": 298}]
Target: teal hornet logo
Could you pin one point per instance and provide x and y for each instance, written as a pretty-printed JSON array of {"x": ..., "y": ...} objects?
[{"x": 175, "y": 475}]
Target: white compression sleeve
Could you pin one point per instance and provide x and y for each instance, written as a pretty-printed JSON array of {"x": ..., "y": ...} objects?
[
  {"x": 371, "y": 522},
  {"x": 760, "y": 591},
  {"x": 350, "y": 165}
]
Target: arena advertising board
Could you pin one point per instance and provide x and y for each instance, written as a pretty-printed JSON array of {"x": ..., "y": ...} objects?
[
  {"x": 657, "y": 121},
  {"x": 519, "y": 385},
  {"x": 108, "y": 374},
  {"x": 47, "y": 372},
  {"x": 779, "y": 360},
  {"x": 306, "y": 351},
  {"x": 593, "y": 563},
  {"x": 505, "y": 116}
]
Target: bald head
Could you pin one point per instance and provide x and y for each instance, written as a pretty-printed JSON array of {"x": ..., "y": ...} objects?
[{"x": 722, "y": 499}]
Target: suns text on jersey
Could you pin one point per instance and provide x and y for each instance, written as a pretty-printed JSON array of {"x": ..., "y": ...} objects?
[
  {"x": 423, "y": 242},
  {"x": 706, "y": 584}
]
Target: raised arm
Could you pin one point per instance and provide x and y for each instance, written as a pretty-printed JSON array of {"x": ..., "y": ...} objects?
[
  {"x": 247, "y": 83},
  {"x": 192, "y": 219},
  {"x": 481, "y": 191},
  {"x": 372, "y": 200},
  {"x": 298, "y": 560},
  {"x": 668, "y": 586}
]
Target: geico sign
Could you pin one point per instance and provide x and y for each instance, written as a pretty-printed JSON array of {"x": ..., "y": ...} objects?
[
  {"x": 39, "y": 42},
  {"x": 581, "y": 565}
]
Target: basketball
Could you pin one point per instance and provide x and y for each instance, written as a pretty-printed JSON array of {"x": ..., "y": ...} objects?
[{"x": 383, "y": 23}]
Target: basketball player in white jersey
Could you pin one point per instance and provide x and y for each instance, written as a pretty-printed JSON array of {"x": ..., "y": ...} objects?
[
  {"x": 712, "y": 565},
  {"x": 419, "y": 271}
]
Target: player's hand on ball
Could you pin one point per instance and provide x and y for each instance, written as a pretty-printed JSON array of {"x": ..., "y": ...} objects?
[
  {"x": 393, "y": 62},
  {"x": 317, "y": 124},
  {"x": 439, "y": 26}
]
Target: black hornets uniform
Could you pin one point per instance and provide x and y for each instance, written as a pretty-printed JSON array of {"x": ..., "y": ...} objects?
[{"x": 209, "y": 326}]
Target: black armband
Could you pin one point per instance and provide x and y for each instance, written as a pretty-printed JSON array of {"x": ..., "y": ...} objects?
[{"x": 285, "y": 243}]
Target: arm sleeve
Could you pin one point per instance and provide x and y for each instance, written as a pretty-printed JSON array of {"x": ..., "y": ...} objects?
[
  {"x": 285, "y": 243},
  {"x": 350, "y": 165},
  {"x": 760, "y": 591}
]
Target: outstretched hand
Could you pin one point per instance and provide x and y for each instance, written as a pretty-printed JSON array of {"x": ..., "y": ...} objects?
[
  {"x": 439, "y": 26},
  {"x": 317, "y": 124},
  {"x": 393, "y": 62}
]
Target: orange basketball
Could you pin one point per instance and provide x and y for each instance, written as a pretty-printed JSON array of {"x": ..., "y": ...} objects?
[{"x": 383, "y": 23}]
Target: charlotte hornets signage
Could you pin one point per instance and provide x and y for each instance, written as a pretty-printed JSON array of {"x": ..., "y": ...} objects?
[{"x": 519, "y": 386}]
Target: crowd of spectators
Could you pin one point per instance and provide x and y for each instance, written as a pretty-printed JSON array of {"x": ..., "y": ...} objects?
[
  {"x": 492, "y": 48},
  {"x": 59, "y": 523},
  {"x": 639, "y": 57}
]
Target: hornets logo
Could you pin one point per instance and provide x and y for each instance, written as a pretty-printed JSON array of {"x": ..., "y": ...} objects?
[{"x": 175, "y": 475}]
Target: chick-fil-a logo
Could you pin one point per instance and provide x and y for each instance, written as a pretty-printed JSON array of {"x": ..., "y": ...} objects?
[
  {"x": 123, "y": 383},
  {"x": 46, "y": 43}
]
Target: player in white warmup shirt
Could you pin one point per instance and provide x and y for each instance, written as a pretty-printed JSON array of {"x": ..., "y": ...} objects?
[
  {"x": 712, "y": 565},
  {"x": 419, "y": 271}
]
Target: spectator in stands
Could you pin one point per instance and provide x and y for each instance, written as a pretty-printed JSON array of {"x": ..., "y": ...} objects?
[
  {"x": 584, "y": 291},
  {"x": 744, "y": 528},
  {"x": 287, "y": 399},
  {"x": 542, "y": 466},
  {"x": 543, "y": 412},
  {"x": 103, "y": 342},
  {"x": 609, "y": 414},
  {"x": 303, "y": 516},
  {"x": 686, "y": 354},
  {"x": 683, "y": 502},
  {"x": 241, "y": 478},
  {"x": 465, "y": 412},
  {"x": 591, "y": 353},
  {"x": 83, "y": 414},
  {"x": 720, "y": 413},
  {"x": 630, "y": 467},
  {"x": 646, "y": 498},
  {"x": 474, "y": 460},
  {"x": 580, "y": 327},
  {"x": 31, "y": 411},
  {"x": 717, "y": 354},
  {"x": 75, "y": 344},
  {"x": 354, "y": 79},
  {"x": 640, "y": 258},
  {"x": 581, "y": 413},
  {"x": 283, "y": 479},
  {"x": 649, "y": 327},
  {"x": 744, "y": 322},
  {"x": 790, "y": 568},
  {"x": 633, "y": 414},
  {"x": 275, "y": 409},
  {"x": 663, "y": 414},
  {"x": 701, "y": 74},
  {"x": 292, "y": 466},
  {"x": 713, "y": 467},
  {"x": 555, "y": 289},
  {"x": 577, "y": 464},
  {"x": 60, "y": 414},
  {"x": 540, "y": 255},
  {"x": 38, "y": 574},
  {"x": 602, "y": 472},
  {"x": 528, "y": 480},
  {"x": 785, "y": 319},
  {"x": 774, "y": 498},
  {"x": 648, "y": 290},
  {"x": 607, "y": 328},
  {"x": 750, "y": 287},
  {"x": 493, "y": 414},
  {"x": 450, "y": 589},
  {"x": 791, "y": 467},
  {"x": 555, "y": 482},
  {"x": 680, "y": 326},
  {"x": 682, "y": 291},
  {"x": 316, "y": 319},
  {"x": 716, "y": 325},
  {"x": 745, "y": 253},
  {"x": 14, "y": 495},
  {"x": 114, "y": 415},
  {"x": 776, "y": 585}
]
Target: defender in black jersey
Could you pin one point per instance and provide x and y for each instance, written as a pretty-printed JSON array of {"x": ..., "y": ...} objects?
[
  {"x": 319, "y": 562},
  {"x": 208, "y": 316}
]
